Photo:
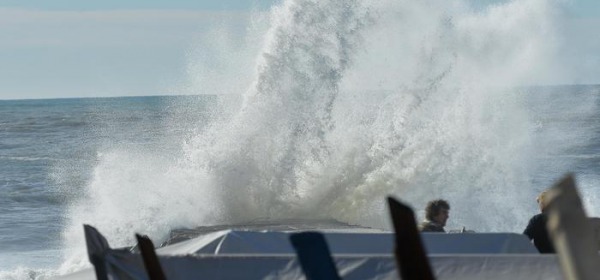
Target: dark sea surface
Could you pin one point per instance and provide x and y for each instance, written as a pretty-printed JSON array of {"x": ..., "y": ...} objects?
[{"x": 49, "y": 151}]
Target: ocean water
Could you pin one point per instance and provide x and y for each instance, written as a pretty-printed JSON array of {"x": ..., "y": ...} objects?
[
  {"x": 48, "y": 152},
  {"x": 349, "y": 101}
]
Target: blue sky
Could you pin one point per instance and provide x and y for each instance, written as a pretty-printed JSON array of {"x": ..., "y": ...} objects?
[{"x": 62, "y": 48}]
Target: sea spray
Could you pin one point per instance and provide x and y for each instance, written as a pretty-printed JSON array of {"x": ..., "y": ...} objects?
[
  {"x": 446, "y": 118},
  {"x": 452, "y": 122},
  {"x": 153, "y": 191},
  {"x": 262, "y": 161},
  {"x": 351, "y": 101}
]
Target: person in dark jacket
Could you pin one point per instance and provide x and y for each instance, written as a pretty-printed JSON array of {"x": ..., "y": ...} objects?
[
  {"x": 536, "y": 228},
  {"x": 437, "y": 213}
]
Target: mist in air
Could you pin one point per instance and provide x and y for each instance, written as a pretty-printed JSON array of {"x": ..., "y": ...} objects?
[{"x": 327, "y": 107}]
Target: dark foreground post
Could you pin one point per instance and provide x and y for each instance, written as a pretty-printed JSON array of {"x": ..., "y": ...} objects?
[
  {"x": 314, "y": 256},
  {"x": 571, "y": 232},
  {"x": 151, "y": 262},
  {"x": 411, "y": 259},
  {"x": 96, "y": 246}
]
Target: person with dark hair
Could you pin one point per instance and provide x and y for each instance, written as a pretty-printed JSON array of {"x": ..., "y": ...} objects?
[
  {"x": 536, "y": 228},
  {"x": 437, "y": 213}
]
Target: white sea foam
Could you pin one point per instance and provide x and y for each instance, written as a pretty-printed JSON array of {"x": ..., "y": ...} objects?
[
  {"x": 447, "y": 121},
  {"x": 350, "y": 101},
  {"x": 23, "y": 273}
]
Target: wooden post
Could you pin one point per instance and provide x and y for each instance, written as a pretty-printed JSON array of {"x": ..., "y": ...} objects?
[
  {"x": 97, "y": 246},
  {"x": 411, "y": 258},
  {"x": 150, "y": 258},
  {"x": 571, "y": 232},
  {"x": 314, "y": 256}
]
